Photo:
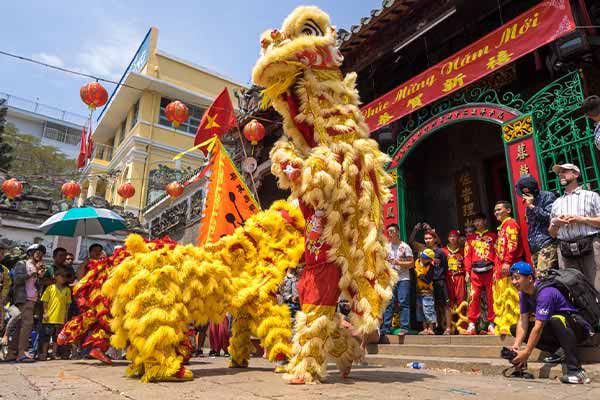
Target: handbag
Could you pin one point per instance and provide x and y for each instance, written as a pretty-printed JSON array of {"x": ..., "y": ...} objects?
[{"x": 577, "y": 248}]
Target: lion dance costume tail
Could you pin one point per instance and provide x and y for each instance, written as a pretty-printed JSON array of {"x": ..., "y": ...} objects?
[{"x": 337, "y": 173}]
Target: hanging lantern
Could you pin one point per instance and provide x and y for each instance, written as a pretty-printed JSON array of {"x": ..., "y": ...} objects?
[
  {"x": 174, "y": 189},
  {"x": 71, "y": 190},
  {"x": 126, "y": 190},
  {"x": 12, "y": 188},
  {"x": 177, "y": 113},
  {"x": 93, "y": 94},
  {"x": 254, "y": 131}
]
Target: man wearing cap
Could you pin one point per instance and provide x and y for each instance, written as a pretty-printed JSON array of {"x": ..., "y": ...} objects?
[
  {"x": 575, "y": 221},
  {"x": 538, "y": 205},
  {"x": 455, "y": 278},
  {"x": 591, "y": 109},
  {"x": 480, "y": 254},
  {"x": 557, "y": 325}
]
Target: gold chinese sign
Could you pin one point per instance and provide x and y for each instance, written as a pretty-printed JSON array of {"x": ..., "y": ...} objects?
[{"x": 467, "y": 196}]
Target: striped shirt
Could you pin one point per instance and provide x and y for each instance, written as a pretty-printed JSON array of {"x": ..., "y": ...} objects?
[{"x": 580, "y": 202}]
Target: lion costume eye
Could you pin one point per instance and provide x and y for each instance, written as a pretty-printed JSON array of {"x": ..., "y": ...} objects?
[{"x": 311, "y": 28}]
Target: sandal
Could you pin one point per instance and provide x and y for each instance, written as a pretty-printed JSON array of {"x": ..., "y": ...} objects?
[
  {"x": 448, "y": 332},
  {"x": 24, "y": 359}
]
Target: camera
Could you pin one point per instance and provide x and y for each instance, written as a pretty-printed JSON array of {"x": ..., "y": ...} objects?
[{"x": 507, "y": 354}]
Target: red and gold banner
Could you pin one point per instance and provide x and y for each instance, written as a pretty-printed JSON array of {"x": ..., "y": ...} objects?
[
  {"x": 537, "y": 27},
  {"x": 522, "y": 160},
  {"x": 229, "y": 202}
]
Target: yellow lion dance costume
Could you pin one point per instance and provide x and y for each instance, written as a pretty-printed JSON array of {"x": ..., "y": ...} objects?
[
  {"x": 162, "y": 287},
  {"x": 337, "y": 173}
]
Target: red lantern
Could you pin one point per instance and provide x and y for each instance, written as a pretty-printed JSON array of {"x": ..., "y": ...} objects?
[
  {"x": 71, "y": 190},
  {"x": 12, "y": 188},
  {"x": 254, "y": 131},
  {"x": 93, "y": 94},
  {"x": 177, "y": 113},
  {"x": 126, "y": 190},
  {"x": 174, "y": 189}
]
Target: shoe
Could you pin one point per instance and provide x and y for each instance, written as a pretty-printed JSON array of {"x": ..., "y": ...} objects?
[
  {"x": 471, "y": 330},
  {"x": 24, "y": 359},
  {"x": 556, "y": 358},
  {"x": 183, "y": 375},
  {"x": 491, "y": 330},
  {"x": 213, "y": 353},
  {"x": 576, "y": 377},
  {"x": 100, "y": 356},
  {"x": 225, "y": 354}
]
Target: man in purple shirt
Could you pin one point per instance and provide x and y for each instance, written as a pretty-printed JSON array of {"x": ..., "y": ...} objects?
[{"x": 557, "y": 324}]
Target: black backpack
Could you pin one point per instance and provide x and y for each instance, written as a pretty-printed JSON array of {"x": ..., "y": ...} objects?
[{"x": 576, "y": 288}]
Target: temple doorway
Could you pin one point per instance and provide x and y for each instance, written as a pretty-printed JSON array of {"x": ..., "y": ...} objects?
[{"x": 455, "y": 173}]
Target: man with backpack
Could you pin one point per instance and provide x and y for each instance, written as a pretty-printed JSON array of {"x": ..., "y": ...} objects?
[{"x": 559, "y": 324}]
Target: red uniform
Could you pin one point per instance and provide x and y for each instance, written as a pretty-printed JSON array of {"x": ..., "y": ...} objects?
[
  {"x": 509, "y": 248},
  {"x": 480, "y": 254},
  {"x": 455, "y": 278}
]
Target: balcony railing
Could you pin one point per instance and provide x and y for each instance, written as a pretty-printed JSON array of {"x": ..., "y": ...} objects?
[
  {"x": 102, "y": 152},
  {"x": 43, "y": 109},
  {"x": 61, "y": 136}
]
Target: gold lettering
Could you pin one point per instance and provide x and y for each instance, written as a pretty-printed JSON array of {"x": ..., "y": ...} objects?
[{"x": 460, "y": 62}]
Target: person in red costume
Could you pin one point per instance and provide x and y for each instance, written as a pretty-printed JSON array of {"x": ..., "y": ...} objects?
[
  {"x": 509, "y": 250},
  {"x": 480, "y": 255},
  {"x": 455, "y": 277}
]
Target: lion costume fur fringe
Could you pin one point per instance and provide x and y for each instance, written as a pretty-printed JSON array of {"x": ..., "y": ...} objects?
[
  {"x": 162, "y": 287},
  {"x": 328, "y": 161}
]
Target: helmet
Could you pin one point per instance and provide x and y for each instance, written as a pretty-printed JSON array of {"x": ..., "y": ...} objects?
[{"x": 35, "y": 247}]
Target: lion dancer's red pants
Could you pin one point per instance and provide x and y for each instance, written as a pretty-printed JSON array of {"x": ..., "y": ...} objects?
[{"x": 479, "y": 282}]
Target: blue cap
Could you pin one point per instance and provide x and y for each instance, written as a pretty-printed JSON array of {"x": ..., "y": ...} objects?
[{"x": 522, "y": 268}]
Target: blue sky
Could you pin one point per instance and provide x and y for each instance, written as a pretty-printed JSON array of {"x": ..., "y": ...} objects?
[{"x": 100, "y": 37}]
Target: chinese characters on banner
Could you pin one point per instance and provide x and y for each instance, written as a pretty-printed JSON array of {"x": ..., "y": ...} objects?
[
  {"x": 467, "y": 197},
  {"x": 229, "y": 203},
  {"x": 537, "y": 27},
  {"x": 522, "y": 160}
]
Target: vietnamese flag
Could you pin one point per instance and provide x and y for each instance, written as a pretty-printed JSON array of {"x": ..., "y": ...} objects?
[
  {"x": 217, "y": 120},
  {"x": 82, "y": 150}
]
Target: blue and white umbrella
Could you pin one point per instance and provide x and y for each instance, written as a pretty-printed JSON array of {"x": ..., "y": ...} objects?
[{"x": 82, "y": 222}]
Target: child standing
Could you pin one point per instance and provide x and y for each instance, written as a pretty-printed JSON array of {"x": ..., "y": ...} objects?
[
  {"x": 56, "y": 300},
  {"x": 425, "y": 303}
]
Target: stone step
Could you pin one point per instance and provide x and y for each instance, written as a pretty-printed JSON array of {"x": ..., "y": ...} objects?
[
  {"x": 484, "y": 366},
  {"x": 586, "y": 354},
  {"x": 476, "y": 340}
]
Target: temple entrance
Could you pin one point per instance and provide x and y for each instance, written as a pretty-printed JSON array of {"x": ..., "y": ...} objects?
[{"x": 455, "y": 173}]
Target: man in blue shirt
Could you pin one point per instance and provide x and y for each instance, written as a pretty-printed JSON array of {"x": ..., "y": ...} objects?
[
  {"x": 538, "y": 205},
  {"x": 557, "y": 324}
]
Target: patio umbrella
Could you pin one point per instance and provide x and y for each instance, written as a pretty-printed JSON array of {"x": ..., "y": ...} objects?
[{"x": 82, "y": 222}]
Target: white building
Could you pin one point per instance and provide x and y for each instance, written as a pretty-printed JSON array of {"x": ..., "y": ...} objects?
[{"x": 57, "y": 128}]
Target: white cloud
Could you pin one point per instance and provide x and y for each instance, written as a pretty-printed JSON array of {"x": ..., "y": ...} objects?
[
  {"x": 109, "y": 53},
  {"x": 49, "y": 59},
  {"x": 105, "y": 54}
]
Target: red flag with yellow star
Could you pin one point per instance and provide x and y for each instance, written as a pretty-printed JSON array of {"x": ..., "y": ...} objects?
[{"x": 217, "y": 120}]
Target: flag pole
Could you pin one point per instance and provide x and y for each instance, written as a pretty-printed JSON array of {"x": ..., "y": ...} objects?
[{"x": 246, "y": 156}]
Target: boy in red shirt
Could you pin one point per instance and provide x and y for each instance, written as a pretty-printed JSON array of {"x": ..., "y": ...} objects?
[{"x": 480, "y": 255}]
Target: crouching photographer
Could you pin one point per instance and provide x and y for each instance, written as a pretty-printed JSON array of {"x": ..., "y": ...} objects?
[{"x": 558, "y": 325}]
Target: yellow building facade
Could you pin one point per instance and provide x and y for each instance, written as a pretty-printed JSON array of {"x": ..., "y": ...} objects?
[{"x": 132, "y": 134}]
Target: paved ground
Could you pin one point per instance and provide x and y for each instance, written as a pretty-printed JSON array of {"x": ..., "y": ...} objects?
[{"x": 90, "y": 381}]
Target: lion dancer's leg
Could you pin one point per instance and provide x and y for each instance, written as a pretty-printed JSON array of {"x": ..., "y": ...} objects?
[
  {"x": 457, "y": 292},
  {"x": 506, "y": 305},
  {"x": 343, "y": 348},
  {"x": 319, "y": 292},
  {"x": 240, "y": 343},
  {"x": 274, "y": 331}
]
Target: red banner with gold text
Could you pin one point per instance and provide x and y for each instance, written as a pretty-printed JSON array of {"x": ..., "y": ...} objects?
[{"x": 537, "y": 27}]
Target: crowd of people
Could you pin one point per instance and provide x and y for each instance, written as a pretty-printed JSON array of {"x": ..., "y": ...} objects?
[{"x": 563, "y": 232}]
